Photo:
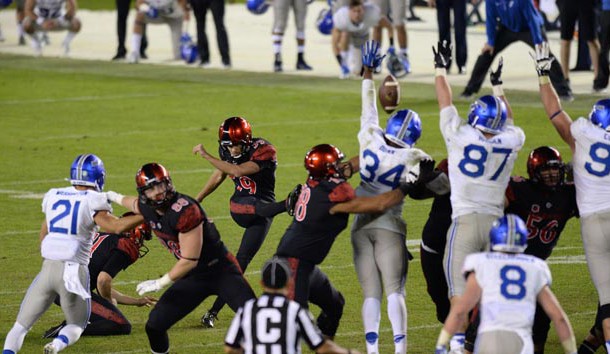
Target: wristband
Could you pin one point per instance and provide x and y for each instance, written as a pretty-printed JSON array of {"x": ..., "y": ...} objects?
[
  {"x": 497, "y": 90},
  {"x": 115, "y": 197},
  {"x": 544, "y": 79},
  {"x": 165, "y": 280},
  {"x": 555, "y": 114},
  {"x": 440, "y": 72},
  {"x": 569, "y": 345}
]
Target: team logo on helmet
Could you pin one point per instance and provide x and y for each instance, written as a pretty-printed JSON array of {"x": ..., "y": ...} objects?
[
  {"x": 403, "y": 128},
  {"x": 488, "y": 114},
  {"x": 508, "y": 234},
  {"x": 88, "y": 170}
]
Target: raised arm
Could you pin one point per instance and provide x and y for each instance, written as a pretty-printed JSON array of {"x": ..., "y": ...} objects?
[
  {"x": 442, "y": 57},
  {"x": 371, "y": 59},
  {"x": 373, "y": 205},
  {"x": 210, "y": 186},
  {"x": 496, "y": 83},
  {"x": 552, "y": 106},
  {"x": 111, "y": 223},
  {"x": 243, "y": 169}
]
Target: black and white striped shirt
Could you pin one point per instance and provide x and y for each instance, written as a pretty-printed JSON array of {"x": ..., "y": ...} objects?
[{"x": 272, "y": 324}]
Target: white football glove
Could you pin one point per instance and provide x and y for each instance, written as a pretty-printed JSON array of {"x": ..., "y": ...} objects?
[
  {"x": 148, "y": 286},
  {"x": 115, "y": 197},
  {"x": 542, "y": 59}
]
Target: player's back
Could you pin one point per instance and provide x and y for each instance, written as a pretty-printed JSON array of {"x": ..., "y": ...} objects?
[
  {"x": 342, "y": 21},
  {"x": 71, "y": 227},
  {"x": 591, "y": 167},
  {"x": 510, "y": 284}
]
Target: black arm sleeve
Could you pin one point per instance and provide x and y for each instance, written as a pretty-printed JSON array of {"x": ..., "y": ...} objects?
[{"x": 269, "y": 210}]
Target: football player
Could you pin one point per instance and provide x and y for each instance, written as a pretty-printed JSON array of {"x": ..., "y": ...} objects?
[
  {"x": 395, "y": 10},
  {"x": 111, "y": 253},
  {"x": 171, "y": 12},
  {"x": 379, "y": 240},
  {"x": 204, "y": 266},
  {"x": 72, "y": 217},
  {"x": 481, "y": 154},
  {"x": 251, "y": 164},
  {"x": 589, "y": 140},
  {"x": 321, "y": 213},
  {"x": 507, "y": 285},
  {"x": 51, "y": 15},
  {"x": 280, "y": 20}
]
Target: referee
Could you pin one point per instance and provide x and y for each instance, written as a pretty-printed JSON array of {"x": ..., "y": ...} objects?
[{"x": 273, "y": 323}]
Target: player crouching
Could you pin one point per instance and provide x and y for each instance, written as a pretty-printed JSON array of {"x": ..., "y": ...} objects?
[{"x": 51, "y": 15}]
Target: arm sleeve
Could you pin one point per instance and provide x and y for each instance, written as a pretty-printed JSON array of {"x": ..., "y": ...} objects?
[
  {"x": 189, "y": 217},
  {"x": 450, "y": 121},
  {"x": 265, "y": 156},
  {"x": 369, "y": 105},
  {"x": 99, "y": 202},
  {"x": 490, "y": 22},
  {"x": 531, "y": 16},
  {"x": 311, "y": 333},
  {"x": 342, "y": 193},
  {"x": 269, "y": 210},
  {"x": 235, "y": 333}
]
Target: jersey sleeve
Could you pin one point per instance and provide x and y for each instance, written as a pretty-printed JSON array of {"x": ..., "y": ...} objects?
[
  {"x": 578, "y": 127},
  {"x": 99, "y": 202},
  {"x": 265, "y": 156},
  {"x": 45, "y": 200},
  {"x": 189, "y": 215},
  {"x": 343, "y": 192},
  {"x": 369, "y": 105},
  {"x": 340, "y": 19},
  {"x": 235, "y": 333},
  {"x": 450, "y": 121},
  {"x": 311, "y": 333},
  {"x": 519, "y": 136}
]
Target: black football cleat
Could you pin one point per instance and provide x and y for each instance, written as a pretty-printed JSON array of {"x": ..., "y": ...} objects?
[
  {"x": 302, "y": 65},
  {"x": 277, "y": 66},
  {"x": 209, "y": 318}
]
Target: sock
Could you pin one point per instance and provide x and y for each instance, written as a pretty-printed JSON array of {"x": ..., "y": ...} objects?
[
  {"x": 403, "y": 51},
  {"x": 67, "y": 336},
  {"x": 300, "y": 56},
  {"x": 14, "y": 339},
  {"x": 608, "y": 346},
  {"x": 20, "y": 29},
  {"x": 371, "y": 316},
  {"x": 301, "y": 49},
  {"x": 69, "y": 37},
  {"x": 397, "y": 313},
  {"x": 136, "y": 42},
  {"x": 277, "y": 43}
]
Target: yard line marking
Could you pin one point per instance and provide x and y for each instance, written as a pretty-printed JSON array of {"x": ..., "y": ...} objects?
[{"x": 77, "y": 99}]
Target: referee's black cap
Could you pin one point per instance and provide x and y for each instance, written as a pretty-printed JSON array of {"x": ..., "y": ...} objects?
[{"x": 276, "y": 273}]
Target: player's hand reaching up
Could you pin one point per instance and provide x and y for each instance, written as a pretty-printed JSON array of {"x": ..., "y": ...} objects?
[
  {"x": 496, "y": 76},
  {"x": 442, "y": 54},
  {"x": 542, "y": 59},
  {"x": 371, "y": 58}
]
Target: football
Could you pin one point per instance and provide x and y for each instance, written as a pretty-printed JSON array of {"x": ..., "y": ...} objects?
[{"x": 389, "y": 94}]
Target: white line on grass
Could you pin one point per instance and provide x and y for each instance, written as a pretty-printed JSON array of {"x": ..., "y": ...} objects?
[{"x": 77, "y": 99}]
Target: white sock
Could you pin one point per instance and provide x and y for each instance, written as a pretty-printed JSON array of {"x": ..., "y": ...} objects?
[
  {"x": 608, "y": 346},
  {"x": 301, "y": 48},
  {"x": 397, "y": 313},
  {"x": 371, "y": 316},
  {"x": 68, "y": 335},
  {"x": 69, "y": 37},
  {"x": 20, "y": 29},
  {"x": 136, "y": 42},
  {"x": 404, "y": 51},
  {"x": 14, "y": 338}
]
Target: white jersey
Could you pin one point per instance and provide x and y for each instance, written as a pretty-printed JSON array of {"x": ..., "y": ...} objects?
[
  {"x": 342, "y": 22},
  {"x": 49, "y": 9},
  {"x": 69, "y": 217},
  {"x": 382, "y": 167},
  {"x": 510, "y": 285},
  {"x": 161, "y": 5},
  {"x": 591, "y": 167},
  {"x": 479, "y": 168}
]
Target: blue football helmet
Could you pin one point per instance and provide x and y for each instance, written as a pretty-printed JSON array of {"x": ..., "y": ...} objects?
[
  {"x": 5, "y": 3},
  {"x": 403, "y": 128},
  {"x": 325, "y": 21},
  {"x": 600, "y": 114},
  {"x": 88, "y": 170},
  {"x": 508, "y": 234},
  {"x": 188, "y": 49},
  {"x": 488, "y": 114},
  {"x": 257, "y": 7}
]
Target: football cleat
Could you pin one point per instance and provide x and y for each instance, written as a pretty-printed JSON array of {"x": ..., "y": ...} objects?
[
  {"x": 88, "y": 170},
  {"x": 53, "y": 331},
  {"x": 209, "y": 318},
  {"x": 403, "y": 128},
  {"x": 488, "y": 114},
  {"x": 508, "y": 234},
  {"x": 302, "y": 65},
  {"x": 134, "y": 58},
  {"x": 50, "y": 349},
  {"x": 277, "y": 66},
  {"x": 345, "y": 74},
  {"x": 66, "y": 46},
  {"x": 21, "y": 40},
  {"x": 37, "y": 46},
  {"x": 406, "y": 64}
]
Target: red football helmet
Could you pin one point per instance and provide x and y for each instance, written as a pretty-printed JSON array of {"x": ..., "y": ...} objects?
[
  {"x": 322, "y": 161},
  {"x": 545, "y": 158},
  {"x": 149, "y": 176},
  {"x": 233, "y": 131},
  {"x": 138, "y": 235}
]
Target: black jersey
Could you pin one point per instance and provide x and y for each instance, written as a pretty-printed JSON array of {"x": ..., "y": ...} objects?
[
  {"x": 183, "y": 215},
  {"x": 314, "y": 229},
  {"x": 260, "y": 185},
  {"x": 110, "y": 253},
  {"x": 434, "y": 234},
  {"x": 544, "y": 211}
]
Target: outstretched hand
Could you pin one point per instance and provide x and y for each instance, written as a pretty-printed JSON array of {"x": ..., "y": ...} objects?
[
  {"x": 542, "y": 59},
  {"x": 442, "y": 54},
  {"x": 200, "y": 150},
  {"x": 371, "y": 58},
  {"x": 291, "y": 200},
  {"x": 496, "y": 76},
  {"x": 426, "y": 171}
]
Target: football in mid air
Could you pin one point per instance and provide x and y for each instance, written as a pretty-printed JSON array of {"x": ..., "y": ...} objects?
[{"x": 389, "y": 94}]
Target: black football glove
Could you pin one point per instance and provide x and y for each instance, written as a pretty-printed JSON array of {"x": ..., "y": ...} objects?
[
  {"x": 426, "y": 171},
  {"x": 496, "y": 76},
  {"x": 291, "y": 200},
  {"x": 442, "y": 54}
]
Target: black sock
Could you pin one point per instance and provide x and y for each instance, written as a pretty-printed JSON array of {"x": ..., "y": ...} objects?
[
  {"x": 300, "y": 57},
  {"x": 278, "y": 57}
]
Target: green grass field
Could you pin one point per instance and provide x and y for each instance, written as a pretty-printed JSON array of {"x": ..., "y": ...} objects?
[{"x": 54, "y": 109}]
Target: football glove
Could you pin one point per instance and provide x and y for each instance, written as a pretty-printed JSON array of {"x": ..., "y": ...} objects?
[
  {"x": 148, "y": 286},
  {"x": 442, "y": 54},
  {"x": 426, "y": 171},
  {"x": 291, "y": 200},
  {"x": 370, "y": 54},
  {"x": 496, "y": 76},
  {"x": 115, "y": 197},
  {"x": 542, "y": 59}
]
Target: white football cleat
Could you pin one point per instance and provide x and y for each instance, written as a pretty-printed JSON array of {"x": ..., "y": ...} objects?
[
  {"x": 37, "y": 46},
  {"x": 133, "y": 58},
  {"x": 50, "y": 349},
  {"x": 2, "y": 39},
  {"x": 66, "y": 46}
]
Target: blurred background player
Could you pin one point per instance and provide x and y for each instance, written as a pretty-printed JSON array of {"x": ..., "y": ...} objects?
[
  {"x": 51, "y": 15},
  {"x": 72, "y": 217},
  {"x": 508, "y": 284},
  {"x": 200, "y": 10},
  {"x": 286, "y": 321},
  {"x": 204, "y": 266},
  {"x": 443, "y": 20},
  {"x": 379, "y": 240},
  {"x": 481, "y": 154},
  {"x": 171, "y": 12},
  {"x": 396, "y": 12},
  {"x": 251, "y": 164},
  {"x": 280, "y": 20},
  {"x": 588, "y": 140},
  {"x": 509, "y": 21},
  {"x": 603, "y": 74},
  {"x": 122, "y": 9},
  {"x": 111, "y": 253}
]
